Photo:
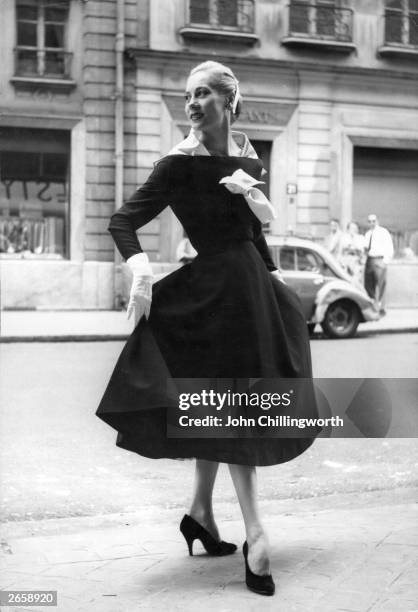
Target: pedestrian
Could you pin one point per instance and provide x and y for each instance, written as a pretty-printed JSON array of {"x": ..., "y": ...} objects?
[
  {"x": 353, "y": 247},
  {"x": 333, "y": 241},
  {"x": 226, "y": 315},
  {"x": 379, "y": 249}
]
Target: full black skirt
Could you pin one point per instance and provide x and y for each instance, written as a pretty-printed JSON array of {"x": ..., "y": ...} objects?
[{"x": 222, "y": 316}]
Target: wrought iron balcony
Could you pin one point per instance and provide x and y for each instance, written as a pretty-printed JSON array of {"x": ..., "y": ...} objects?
[
  {"x": 320, "y": 25},
  {"x": 400, "y": 33},
  {"x": 223, "y": 19}
]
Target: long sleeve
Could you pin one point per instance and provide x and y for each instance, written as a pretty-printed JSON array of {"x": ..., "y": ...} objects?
[
  {"x": 262, "y": 247},
  {"x": 146, "y": 203}
]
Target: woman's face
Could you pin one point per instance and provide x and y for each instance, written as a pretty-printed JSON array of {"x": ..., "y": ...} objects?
[{"x": 205, "y": 107}]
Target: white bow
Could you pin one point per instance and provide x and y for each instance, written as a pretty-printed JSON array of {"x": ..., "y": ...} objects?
[{"x": 243, "y": 183}]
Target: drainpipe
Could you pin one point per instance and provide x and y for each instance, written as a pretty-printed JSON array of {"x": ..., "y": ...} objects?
[{"x": 119, "y": 149}]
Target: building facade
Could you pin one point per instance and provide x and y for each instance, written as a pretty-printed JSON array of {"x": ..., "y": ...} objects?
[
  {"x": 60, "y": 105},
  {"x": 331, "y": 106}
]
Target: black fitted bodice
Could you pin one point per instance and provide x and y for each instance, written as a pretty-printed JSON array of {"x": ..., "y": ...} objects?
[{"x": 212, "y": 217}]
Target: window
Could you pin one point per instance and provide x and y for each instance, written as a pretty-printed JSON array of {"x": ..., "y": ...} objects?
[
  {"x": 41, "y": 38},
  {"x": 401, "y": 22},
  {"x": 34, "y": 192},
  {"x": 222, "y": 14},
  {"x": 308, "y": 261},
  {"x": 320, "y": 19},
  {"x": 287, "y": 258}
]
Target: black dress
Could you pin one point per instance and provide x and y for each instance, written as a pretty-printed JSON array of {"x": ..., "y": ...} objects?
[{"x": 222, "y": 316}]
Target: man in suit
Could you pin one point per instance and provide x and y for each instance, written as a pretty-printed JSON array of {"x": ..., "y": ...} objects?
[{"x": 379, "y": 249}]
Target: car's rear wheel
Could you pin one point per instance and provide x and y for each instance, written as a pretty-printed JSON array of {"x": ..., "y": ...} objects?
[{"x": 341, "y": 319}]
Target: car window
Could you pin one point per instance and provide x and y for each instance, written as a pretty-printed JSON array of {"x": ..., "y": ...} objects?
[
  {"x": 308, "y": 261},
  {"x": 275, "y": 254},
  {"x": 287, "y": 258}
]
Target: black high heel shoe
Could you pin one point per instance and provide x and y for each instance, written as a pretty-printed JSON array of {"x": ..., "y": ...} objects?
[
  {"x": 263, "y": 585},
  {"x": 192, "y": 531}
]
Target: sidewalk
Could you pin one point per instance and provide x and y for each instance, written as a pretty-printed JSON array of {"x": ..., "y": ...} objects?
[
  {"x": 328, "y": 555},
  {"x": 62, "y": 325}
]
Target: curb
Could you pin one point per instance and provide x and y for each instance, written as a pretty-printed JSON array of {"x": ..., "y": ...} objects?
[
  {"x": 371, "y": 332},
  {"x": 66, "y": 338},
  {"x": 124, "y": 337}
]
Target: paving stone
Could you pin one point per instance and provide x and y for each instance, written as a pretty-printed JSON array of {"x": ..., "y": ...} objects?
[{"x": 333, "y": 560}]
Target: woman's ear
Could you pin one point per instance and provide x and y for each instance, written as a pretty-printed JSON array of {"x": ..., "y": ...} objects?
[{"x": 229, "y": 102}]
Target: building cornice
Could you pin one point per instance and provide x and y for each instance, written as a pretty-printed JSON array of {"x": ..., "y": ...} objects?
[
  {"x": 57, "y": 121},
  {"x": 293, "y": 66}
]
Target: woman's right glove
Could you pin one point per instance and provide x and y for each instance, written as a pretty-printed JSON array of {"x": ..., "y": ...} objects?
[{"x": 141, "y": 289}]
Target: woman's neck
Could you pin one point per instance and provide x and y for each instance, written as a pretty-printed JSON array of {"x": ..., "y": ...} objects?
[{"x": 218, "y": 142}]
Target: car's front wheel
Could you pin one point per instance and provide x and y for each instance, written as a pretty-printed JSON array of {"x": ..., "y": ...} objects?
[{"x": 341, "y": 319}]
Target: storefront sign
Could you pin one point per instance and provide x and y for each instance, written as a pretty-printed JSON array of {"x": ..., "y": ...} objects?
[{"x": 260, "y": 112}]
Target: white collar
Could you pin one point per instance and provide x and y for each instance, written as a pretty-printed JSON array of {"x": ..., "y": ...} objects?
[{"x": 192, "y": 145}]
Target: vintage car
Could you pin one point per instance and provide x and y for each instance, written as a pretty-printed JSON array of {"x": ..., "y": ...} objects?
[{"x": 329, "y": 295}]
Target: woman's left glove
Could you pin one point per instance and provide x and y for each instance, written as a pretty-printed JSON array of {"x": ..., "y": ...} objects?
[
  {"x": 141, "y": 289},
  {"x": 278, "y": 274}
]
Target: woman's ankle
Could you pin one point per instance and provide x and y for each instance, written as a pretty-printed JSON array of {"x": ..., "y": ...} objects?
[
  {"x": 254, "y": 534},
  {"x": 201, "y": 513},
  {"x": 258, "y": 552},
  {"x": 205, "y": 518}
]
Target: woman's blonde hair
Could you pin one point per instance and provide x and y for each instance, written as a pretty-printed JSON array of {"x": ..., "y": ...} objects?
[{"x": 225, "y": 82}]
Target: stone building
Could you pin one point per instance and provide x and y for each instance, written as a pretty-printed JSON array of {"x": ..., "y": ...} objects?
[{"x": 330, "y": 90}]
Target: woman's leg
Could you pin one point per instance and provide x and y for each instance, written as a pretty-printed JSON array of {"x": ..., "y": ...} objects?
[
  {"x": 245, "y": 482},
  {"x": 201, "y": 507}
]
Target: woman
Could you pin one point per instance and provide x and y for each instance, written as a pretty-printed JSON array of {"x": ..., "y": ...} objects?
[
  {"x": 226, "y": 315},
  {"x": 353, "y": 251}
]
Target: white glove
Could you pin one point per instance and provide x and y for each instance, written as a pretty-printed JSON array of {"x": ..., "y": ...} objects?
[
  {"x": 243, "y": 183},
  {"x": 278, "y": 274},
  {"x": 141, "y": 289}
]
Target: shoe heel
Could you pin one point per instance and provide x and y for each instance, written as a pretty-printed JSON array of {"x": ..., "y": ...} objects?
[
  {"x": 190, "y": 545},
  {"x": 190, "y": 538}
]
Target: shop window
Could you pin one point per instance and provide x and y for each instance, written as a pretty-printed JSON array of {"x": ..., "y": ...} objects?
[
  {"x": 34, "y": 193},
  {"x": 41, "y": 31},
  {"x": 401, "y": 22}
]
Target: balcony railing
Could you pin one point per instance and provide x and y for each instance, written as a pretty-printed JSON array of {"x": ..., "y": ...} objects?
[
  {"x": 401, "y": 29},
  {"x": 42, "y": 63},
  {"x": 223, "y": 14},
  {"x": 232, "y": 19},
  {"x": 400, "y": 34},
  {"x": 320, "y": 24}
]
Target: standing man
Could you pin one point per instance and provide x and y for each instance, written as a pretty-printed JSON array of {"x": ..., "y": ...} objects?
[{"x": 379, "y": 249}]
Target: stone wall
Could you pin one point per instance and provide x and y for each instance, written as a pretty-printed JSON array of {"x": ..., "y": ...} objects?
[{"x": 99, "y": 108}]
